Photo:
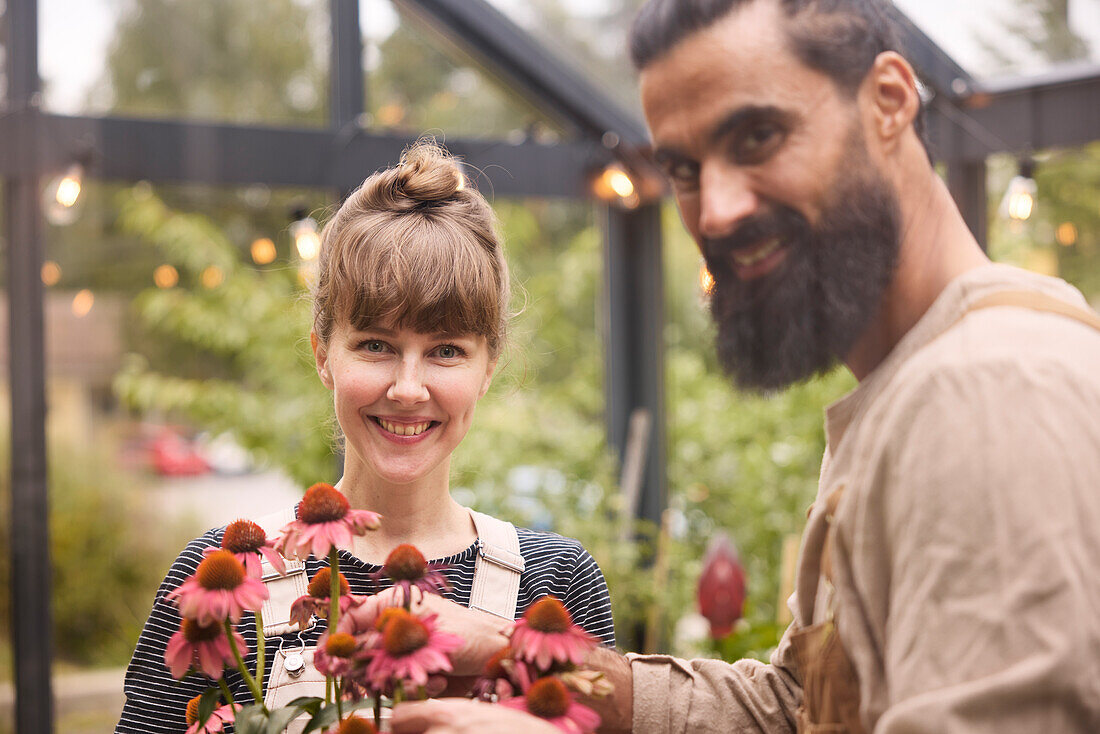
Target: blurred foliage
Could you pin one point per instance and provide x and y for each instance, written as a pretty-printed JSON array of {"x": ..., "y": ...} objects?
[
  {"x": 252, "y": 327},
  {"x": 103, "y": 572}
]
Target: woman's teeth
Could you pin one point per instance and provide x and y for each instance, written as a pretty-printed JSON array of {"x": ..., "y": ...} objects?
[
  {"x": 756, "y": 254},
  {"x": 404, "y": 429}
]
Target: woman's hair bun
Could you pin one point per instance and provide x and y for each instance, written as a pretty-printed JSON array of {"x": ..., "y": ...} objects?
[{"x": 428, "y": 173}]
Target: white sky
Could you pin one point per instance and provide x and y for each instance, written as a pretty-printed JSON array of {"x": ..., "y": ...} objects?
[{"x": 74, "y": 35}]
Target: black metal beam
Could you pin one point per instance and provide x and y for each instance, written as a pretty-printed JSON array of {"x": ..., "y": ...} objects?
[
  {"x": 183, "y": 152},
  {"x": 346, "y": 93},
  {"x": 633, "y": 322},
  {"x": 509, "y": 52},
  {"x": 967, "y": 183},
  {"x": 1059, "y": 111},
  {"x": 32, "y": 633}
]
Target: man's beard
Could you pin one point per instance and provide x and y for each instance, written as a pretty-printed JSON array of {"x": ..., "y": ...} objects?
[{"x": 797, "y": 321}]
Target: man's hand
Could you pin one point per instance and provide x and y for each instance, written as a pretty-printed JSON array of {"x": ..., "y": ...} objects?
[{"x": 461, "y": 716}]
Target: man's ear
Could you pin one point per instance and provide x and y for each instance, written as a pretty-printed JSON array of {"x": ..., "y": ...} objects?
[
  {"x": 320, "y": 357},
  {"x": 890, "y": 88}
]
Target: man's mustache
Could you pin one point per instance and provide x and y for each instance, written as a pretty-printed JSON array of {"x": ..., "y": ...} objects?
[{"x": 785, "y": 224}]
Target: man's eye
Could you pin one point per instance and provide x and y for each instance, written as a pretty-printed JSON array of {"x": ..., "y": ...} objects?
[
  {"x": 448, "y": 351},
  {"x": 682, "y": 174},
  {"x": 374, "y": 346},
  {"x": 758, "y": 142}
]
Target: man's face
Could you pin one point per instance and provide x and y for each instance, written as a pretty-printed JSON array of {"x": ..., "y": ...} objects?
[{"x": 774, "y": 182}]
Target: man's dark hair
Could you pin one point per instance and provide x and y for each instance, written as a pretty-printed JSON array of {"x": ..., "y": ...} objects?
[{"x": 839, "y": 38}]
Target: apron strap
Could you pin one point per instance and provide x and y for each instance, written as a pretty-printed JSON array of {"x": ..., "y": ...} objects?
[{"x": 497, "y": 568}]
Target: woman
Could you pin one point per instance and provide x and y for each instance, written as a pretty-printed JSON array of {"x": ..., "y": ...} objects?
[{"x": 409, "y": 320}]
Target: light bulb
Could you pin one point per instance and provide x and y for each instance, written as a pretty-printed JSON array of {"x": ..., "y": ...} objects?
[
  {"x": 306, "y": 238},
  {"x": 1018, "y": 203},
  {"x": 166, "y": 276},
  {"x": 263, "y": 251},
  {"x": 614, "y": 184},
  {"x": 61, "y": 199}
]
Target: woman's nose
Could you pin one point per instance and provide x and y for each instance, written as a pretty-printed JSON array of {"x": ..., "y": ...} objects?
[{"x": 408, "y": 384}]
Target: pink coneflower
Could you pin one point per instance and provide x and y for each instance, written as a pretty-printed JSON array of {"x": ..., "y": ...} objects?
[
  {"x": 336, "y": 654},
  {"x": 411, "y": 649},
  {"x": 407, "y": 568},
  {"x": 316, "y": 600},
  {"x": 547, "y": 634},
  {"x": 214, "y": 724},
  {"x": 204, "y": 648},
  {"x": 246, "y": 540},
  {"x": 219, "y": 589},
  {"x": 325, "y": 520},
  {"x": 499, "y": 680},
  {"x": 549, "y": 699}
]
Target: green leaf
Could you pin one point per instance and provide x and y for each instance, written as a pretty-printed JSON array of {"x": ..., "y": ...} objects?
[
  {"x": 328, "y": 715},
  {"x": 277, "y": 722},
  {"x": 207, "y": 704},
  {"x": 251, "y": 720},
  {"x": 309, "y": 704}
]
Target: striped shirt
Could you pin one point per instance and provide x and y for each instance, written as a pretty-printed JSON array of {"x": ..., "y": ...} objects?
[{"x": 155, "y": 702}]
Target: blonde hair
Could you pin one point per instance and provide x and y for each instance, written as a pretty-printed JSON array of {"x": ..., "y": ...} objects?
[{"x": 414, "y": 247}]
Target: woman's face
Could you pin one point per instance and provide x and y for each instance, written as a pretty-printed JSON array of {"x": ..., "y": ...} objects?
[{"x": 404, "y": 399}]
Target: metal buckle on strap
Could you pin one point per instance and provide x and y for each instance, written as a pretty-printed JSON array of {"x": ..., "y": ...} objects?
[
  {"x": 487, "y": 552},
  {"x": 293, "y": 568}
]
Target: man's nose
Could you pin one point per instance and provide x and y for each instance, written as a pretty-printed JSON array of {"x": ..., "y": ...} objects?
[
  {"x": 408, "y": 386},
  {"x": 726, "y": 198}
]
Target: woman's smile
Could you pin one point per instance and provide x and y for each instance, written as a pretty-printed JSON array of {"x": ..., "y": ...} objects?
[{"x": 404, "y": 431}]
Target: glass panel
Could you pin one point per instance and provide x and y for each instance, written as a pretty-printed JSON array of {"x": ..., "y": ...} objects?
[
  {"x": 417, "y": 82},
  {"x": 3, "y": 50},
  {"x": 992, "y": 38},
  {"x": 590, "y": 35},
  {"x": 241, "y": 61}
]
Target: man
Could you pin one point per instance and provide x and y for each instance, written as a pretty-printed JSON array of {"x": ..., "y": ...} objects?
[{"x": 948, "y": 577}]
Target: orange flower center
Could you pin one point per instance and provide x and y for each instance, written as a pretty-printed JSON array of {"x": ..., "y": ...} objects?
[
  {"x": 194, "y": 632},
  {"x": 548, "y": 698},
  {"x": 355, "y": 725},
  {"x": 220, "y": 570},
  {"x": 340, "y": 645},
  {"x": 192, "y": 714},
  {"x": 404, "y": 634},
  {"x": 548, "y": 615},
  {"x": 243, "y": 536},
  {"x": 405, "y": 563},
  {"x": 493, "y": 668},
  {"x": 386, "y": 615},
  {"x": 320, "y": 586},
  {"x": 322, "y": 503}
]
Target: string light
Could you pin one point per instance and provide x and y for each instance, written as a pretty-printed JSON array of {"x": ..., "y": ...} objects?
[
  {"x": 211, "y": 277},
  {"x": 62, "y": 196},
  {"x": 614, "y": 184},
  {"x": 51, "y": 273},
  {"x": 1066, "y": 234},
  {"x": 82, "y": 303},
  {"x": 263, "y": 251},
  {"x": 1019, "y": 200},
  {"x": 165, "y": 276},
  {"x": 306, "y": 238},
  {"x": 706, "y": 280}
]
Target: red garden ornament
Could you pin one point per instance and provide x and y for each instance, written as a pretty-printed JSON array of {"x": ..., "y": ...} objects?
[{"x": 722, "y": 586}]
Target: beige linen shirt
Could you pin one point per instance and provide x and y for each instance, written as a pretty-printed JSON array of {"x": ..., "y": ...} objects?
[{"x": 967, "y": 554}]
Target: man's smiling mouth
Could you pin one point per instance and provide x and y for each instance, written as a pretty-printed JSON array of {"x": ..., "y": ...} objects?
[
  {"x": 403, "y": 429},
  {"x": 753, "y": 255}
]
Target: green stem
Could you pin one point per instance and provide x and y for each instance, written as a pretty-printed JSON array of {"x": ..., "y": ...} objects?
[
  {"x": 334, "y": 594},
  {"x": 334, "y": 610},
  {"x": 398, "y": 692},
  {"x": 225, "y": 689},
  {"x": 339, "y": 695},
  {"x": 378, "y": 712},
  {"x": 257, "y": 695},
  {"x": 259, "y": 650}
]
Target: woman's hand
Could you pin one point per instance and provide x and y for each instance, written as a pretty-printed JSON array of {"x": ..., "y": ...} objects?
[{"x": 458, "y": 716}]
